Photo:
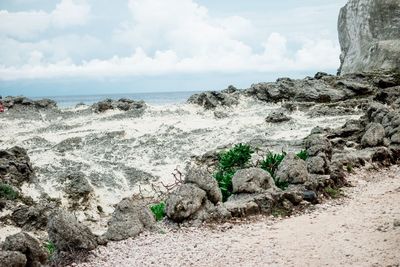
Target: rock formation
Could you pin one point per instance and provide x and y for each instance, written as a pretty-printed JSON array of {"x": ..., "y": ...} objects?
[{"x": 369, "y": 35}]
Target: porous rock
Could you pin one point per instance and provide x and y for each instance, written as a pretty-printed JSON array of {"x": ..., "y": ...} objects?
[
  {"x": 292, "y": 170},
  {"x": 204, "y": 180},
  {"x": 252, "y": 180},
  {"x": 12, "y": 259},
  {"x": 373, "y": 136}
]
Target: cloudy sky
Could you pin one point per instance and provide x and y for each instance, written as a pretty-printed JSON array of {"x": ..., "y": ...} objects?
[{"x": 56, "y": 47}]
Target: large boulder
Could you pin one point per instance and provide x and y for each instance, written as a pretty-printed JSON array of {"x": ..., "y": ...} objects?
[
  {"x": 369, "y": 35},
  {"x": 27, "y": 245},
  {"x": 15, "y": 166},
  {"x": 292, "y": 170},
  {"x": 252, "y": 180},
  {"x": 68, "y": 234},
  {"x": 203, "y": 179},
  {"x": 12, "y": 259},
  {"x": 373, "y": 136},
  {"x": 130, "y": 218},
  {"x": 184, "y": 202}
]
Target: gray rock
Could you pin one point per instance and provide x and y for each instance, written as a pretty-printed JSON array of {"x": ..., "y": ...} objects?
[
  {"x": 369, "y": 35},
  {"x": 243, "y": 205},
  {"x": 316, "y": 144},
  {"x": 21, "y": 103},
  {"x": 317, "y": 164},
  {"x": 121, "y": 104},
  {"x": 27, "y": 245},
  {"x": 252, "y": 180},
  {"x": 373, "y": 136},
  {"x": 69, "y": 144},
  {"x": 203, "y": 179},
  {"x": 277, "y": 117},
  {"x": 68, "y": 234},
  {"x": 395, "y": 138},
  {"x": 15, "y": 166},
  {"x": 77, "y": 186},
  {"x": 211, "y": 100},
  {"x": 184, "y": 202},
  {"x": 130, "y": 218},
  {"x": 292, "y": 170},
  {"x": 12, "y": 259}
]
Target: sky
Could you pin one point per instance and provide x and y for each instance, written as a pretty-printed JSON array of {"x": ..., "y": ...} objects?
[{"x": 73, "y": 47}]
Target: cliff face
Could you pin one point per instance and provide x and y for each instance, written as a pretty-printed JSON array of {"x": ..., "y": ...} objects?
[{"x": 369, "y": 35}]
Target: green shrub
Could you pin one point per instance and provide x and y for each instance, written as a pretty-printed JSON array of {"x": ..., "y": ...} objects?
[
  {"x": 229, "y": 162},
  {"x": 7, "y": 192},
  {"x": 158, "y": 210},
  {"x": 271, "y": 162},
  {"x": 332, "y": 192},
  {"x": 281, "y": 185},
  {"x": 303, "y": 155},
  {"x": 51, "y": 248},
  {"x": 349, "y": 167}
]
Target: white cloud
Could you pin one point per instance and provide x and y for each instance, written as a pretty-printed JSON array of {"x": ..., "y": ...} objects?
[
  {"x": 166, "y": 37},
  {"x": 29, "y": 24}
]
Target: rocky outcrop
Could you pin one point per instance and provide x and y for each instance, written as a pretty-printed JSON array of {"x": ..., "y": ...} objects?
[
  {"x": 131, "y": 216},
  {"x": 211, "y": 100},
  {"x": 12, "y": 259},
  {"x": 27, "y": 245},
  {"x": 68, "y": 234},
  {"x": 374, "y": 135},
  {"x": 292, "y": 170},
  {"x": 20, "y": 103},
  {"x": 277, "y": 117},
  {"x": 122, "y": 104},
  {"x": 252, "y": 180},
  {"x": 369, "y": 35},
  {"x": 204, "y": 180},
  {"x": 15, "y": 166}
]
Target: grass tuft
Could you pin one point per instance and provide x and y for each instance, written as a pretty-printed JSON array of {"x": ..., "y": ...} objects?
[
  {"x": 50, "y": 248},
  {"x": 332, "y": 192},
  {"x": 158, "y": 210},
  {"x": 303, "y": 155},
  {"x": 7, "y": 192}
]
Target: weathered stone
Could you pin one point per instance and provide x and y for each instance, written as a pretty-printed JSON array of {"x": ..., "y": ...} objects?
[
  {"x": 121, "y": 104},
  {"x": 369, "y": 35},
  {"x": 318, "y": 143},
  {"x": 203, "y": 179},
  {"x": 317, "y": 164},
  {"x": 27, "y": 245},
  {"x": 68, "y": 234},
  {"x": 15, "y": 166},
  {"x": 12, "y": 259},
  {"x": 292, "y": 170},
  {"x": 130, "y": 217},
  {"x": 184, "y": 202},
  {"x": 211, "y": 100},
  {"x": 373, "y": 136},
  {"x": 252, "y": 180},
  {"x": 277, "y": 117},
  {"x": 77, "y": 186}
]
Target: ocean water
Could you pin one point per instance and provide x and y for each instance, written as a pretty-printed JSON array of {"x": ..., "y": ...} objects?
[{"x": 161, "y": 98}]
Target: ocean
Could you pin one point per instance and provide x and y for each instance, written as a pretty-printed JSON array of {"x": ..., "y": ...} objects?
[{"x": 161, "y": 98}]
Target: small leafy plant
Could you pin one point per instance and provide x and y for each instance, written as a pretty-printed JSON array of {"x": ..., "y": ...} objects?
[
  {"x": 7, "y": 192},
  {"x": 51, "y": 248},
  {"x": 303, "y": 154},
  {"x": 349, "y": 168},
  {"x": 229, "y": 162},
  {"x": 271, "y": 162},
  {"x": 332, "y": 192},
  {"x": 158, "y": 210}
]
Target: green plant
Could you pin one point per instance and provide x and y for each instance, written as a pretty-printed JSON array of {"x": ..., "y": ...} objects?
[
  {"x": 281, "y": 185},
  {"x": 7, "y": 192},
  {"x": 229, "y": 162},
  {"x": 271, "y": 162},
  {"x": 349, "y": 167},
  {"x": 303, "y": 154},
  {"x": 51, "y": 248},
  {"x": 279, "y": 212},
  {"x": 332, "y": 192},
  {"x": 158, "y": 210}
]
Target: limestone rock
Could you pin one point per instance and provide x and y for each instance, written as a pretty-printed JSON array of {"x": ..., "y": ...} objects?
[
  {"x": 252, "y": 180},
  {"x": 277, "y": 117},
  {"x": 292, "y": 170},
  {"x": 373, "y": 136},
  {"x": 184, "y": 202},
  {"x": 203, "y": 179},
  {"x": 12, "y": 259},
  {"x": 15, "y": 166},
  {"x": 369, "y": 35}
]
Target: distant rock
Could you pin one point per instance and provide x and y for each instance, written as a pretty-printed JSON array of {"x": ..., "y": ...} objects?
[
  {"x": 211, "y": 100},
  {"x": 123, "y": 104},
  {"x": 130, "y": 218},
  {"x": 369, "y": 35},
  {"x": 277, "y": 116},
  {"x": 20, "y": 102}
]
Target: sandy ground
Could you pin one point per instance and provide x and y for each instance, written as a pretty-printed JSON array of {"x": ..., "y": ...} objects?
[{"x": 357, "y": 230}]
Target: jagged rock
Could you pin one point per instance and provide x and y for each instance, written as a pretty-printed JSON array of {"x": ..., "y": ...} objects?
[
  {"x": 209, "y": 212},
  {"x": 316, "y": 144},
  {"x": 318, "y": 164},
  {"x": 211, "y": 100},
  {"x": 184, "y": 202},
  {"x": 369, "y": 35},
  {"x": 277, "y": 117},
  {"x": 203, "y": 179},
  {"x": 292, "y": 170},
  {"x": 68, "y": 234},
  {"x": 243, "y": 205},
  {"x": 12, "y": 259},
  {"x": 27, "y": 245},
  {"x": 130, "y": 217},
  {"x": 21, "y": 102},
  {"x": 15, "y": 166},
  {"x": 121, "y": 104},
  {"x": 220, "y": 115},
  {"x": 34, "y": 217},
  {"x": 383, "y": 156},
  {"x": 252, "y": 180},
  {"x": 69, "y": 144},
  {"x": 77, "y": 187},
  {"x": 373, "y": 136},
  {"x": 395, "y": 138}
]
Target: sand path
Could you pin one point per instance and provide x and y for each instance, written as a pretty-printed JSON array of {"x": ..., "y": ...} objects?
[{"x": 358, "y": 230}]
